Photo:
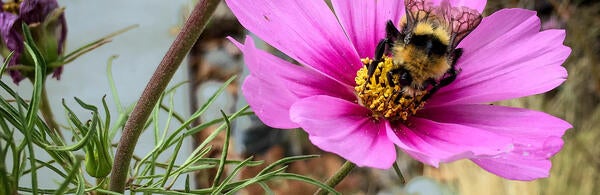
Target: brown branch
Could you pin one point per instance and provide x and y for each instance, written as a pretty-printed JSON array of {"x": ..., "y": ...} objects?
[{"x": 155, "y": 87}]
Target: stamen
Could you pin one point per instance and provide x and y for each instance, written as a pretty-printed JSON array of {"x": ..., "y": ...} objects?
[
  {"x": 382, "y": 92},
  {"x": 11, "y": 6}
]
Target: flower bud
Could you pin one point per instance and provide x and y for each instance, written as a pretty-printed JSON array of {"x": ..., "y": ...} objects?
[{"x": 98, "y": 161}]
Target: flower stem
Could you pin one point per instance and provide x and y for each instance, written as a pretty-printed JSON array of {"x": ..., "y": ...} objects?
[
  {"x": 158, "y": 82},
  {"x": 46, "y": 111},
  {"x": 338, "y": 177},
  {"x": 399, "y": 173}
]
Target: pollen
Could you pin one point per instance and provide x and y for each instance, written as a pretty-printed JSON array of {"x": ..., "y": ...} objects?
[
  {"x": 12, "y": 6},
  {"x": 382, "y": 93}
]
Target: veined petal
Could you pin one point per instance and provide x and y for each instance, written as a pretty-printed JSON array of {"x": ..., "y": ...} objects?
[
  {"x": 506, "y": 57},
  {"x": 344, "y": 128},
  {"x": 433, "y": 142},
  {"x": 365, "y": 21},
  {"x": 536, "y": 136},
  {"x": 283, "y": 83},
  {"x": 304, "y": 30},
  {"x": 478, "y": 5}
]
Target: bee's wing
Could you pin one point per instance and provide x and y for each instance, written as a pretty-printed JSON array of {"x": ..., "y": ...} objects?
[
  {"x": 460, "y": 21},
  {"x": 417, "y": 11}
]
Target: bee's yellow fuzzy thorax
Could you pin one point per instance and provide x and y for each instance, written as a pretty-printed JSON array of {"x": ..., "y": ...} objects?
[
  {"x": 383, "y": 98},
  {"x": 425, "y": 28}
]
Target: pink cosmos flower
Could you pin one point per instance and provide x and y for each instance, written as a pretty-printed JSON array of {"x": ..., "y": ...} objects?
[{"x": 505, "y": 57}]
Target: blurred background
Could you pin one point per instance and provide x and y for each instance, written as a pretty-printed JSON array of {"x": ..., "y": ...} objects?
[{"x": 576, "y": 169}]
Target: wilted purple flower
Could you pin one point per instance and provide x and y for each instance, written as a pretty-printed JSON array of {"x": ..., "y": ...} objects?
[{"x": 48, "y": 26}]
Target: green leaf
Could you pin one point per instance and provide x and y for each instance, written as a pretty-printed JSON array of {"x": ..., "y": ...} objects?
[
  {"x": 307, "y": 180},
  {"x": 80, "y": 184},
  {"x": 80, "y": 144},
  {"x": 107, "y": 192},
  {"x": 80, "y": 128},
  {"x": 90, "y": 46},
  {"x": 215, "y": 133},
  {"x": 286, "y": 160},
  {"x": 49, "y": 166},
  {"x": 175, "y": 135},
  {"x": 200, "y": 111},
  {"x": 112, "y": 85},
  {"x": 104, "y": 135},
  {"x": 266, "y": 188},
  {"x": 187, "y": 183},
  {"x": 71, "y": 176},
  {"x": 160, "y": 191},
  {"x": 38, "y": 82},
  {"x": 172, "y": 162},
  {"x": 196, "y": 129},
  {"x": 235, "y": 171},
  {"x": 5, "y": 64},
  {"x": 224, "y": 151},
  {"x": 256, "y": 179}
]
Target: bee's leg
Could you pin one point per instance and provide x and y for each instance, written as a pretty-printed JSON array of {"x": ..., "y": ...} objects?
[
  {"x": 436, "y": 86},
  {"x": 452, "y": 73},
  {"x": 379, "y": 52},
  {"x": 383, "y": 46},
  {"x": 456, "y": 53}
]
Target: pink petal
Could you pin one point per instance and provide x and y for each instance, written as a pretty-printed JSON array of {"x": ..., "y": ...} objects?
[
  {"x": 304, "y": 30},
  {"x": 282, "y": 83},
  {"x": 344, "y": 128},
  {"x": 536, "y": 136},
  {"x": 522, "y": 163},
  {"x": 519, "y": 124},
  {"x": 433, "y": 142},
  {"x": 301, "y": 81},
  {"x": 507, "y": 57},
  {"x": 273, "y": 111},
  {"x": 365, "y": 21}
]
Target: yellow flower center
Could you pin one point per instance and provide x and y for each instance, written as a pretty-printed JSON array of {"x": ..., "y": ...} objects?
[
  {"x": 382, "y": 94},
  {"x": 12, "y": 6}
]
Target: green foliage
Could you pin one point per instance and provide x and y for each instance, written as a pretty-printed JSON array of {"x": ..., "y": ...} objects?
[{"x": 94, "y": 137}]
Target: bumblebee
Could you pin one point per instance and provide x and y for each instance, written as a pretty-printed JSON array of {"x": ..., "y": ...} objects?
[
  {"x": 424, "y": 52},
  {"x": 413, "y": 63}
]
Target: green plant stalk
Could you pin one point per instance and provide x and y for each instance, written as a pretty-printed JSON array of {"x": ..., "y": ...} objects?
[
  {"x": 337, "y": 177},
  {"x": 46, "y": 111},
  {"x": 399, "y": 173},
  {"x": 184, "y": 41}
]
